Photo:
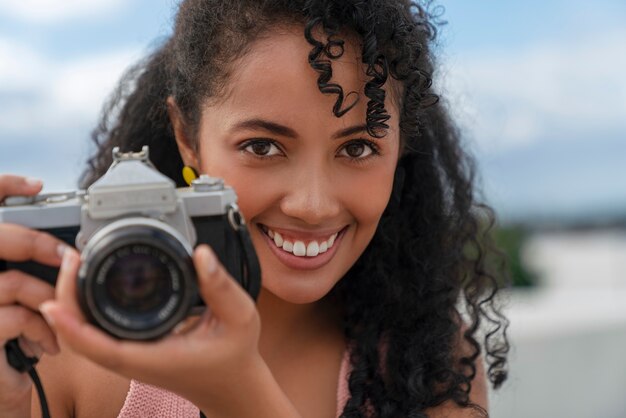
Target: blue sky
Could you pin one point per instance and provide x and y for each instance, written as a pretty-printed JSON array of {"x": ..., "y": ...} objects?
[{"x": 537, "y": 87}]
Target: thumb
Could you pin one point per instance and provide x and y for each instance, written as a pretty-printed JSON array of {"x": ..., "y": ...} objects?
[{"x": 225, "y": 297}]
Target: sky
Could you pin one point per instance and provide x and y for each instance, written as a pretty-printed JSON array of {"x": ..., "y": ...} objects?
[{"x": 537, "y": 88}]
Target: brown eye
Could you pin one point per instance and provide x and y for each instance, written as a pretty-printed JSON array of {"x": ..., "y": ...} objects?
[
  {"x": 358, "y": 150},
  {"x": 355, "y": 150},
  {"x": 261, "y": 148}
]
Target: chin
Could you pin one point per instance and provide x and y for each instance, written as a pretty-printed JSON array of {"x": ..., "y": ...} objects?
[{"x": 296, "y": 290}]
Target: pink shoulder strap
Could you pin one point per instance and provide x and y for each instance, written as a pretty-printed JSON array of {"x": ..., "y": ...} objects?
[{"x": 343, "y": 392}]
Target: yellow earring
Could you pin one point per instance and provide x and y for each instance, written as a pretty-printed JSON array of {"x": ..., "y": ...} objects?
[{"x": 189, "y": 174}]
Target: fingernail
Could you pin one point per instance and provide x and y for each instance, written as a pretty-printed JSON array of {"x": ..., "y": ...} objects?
[
  {"x": 67, "y": 260},
  {"x": 211, "y": 262},
  {"x": 61, "y": 248},
  {"x": 33, "y": 182},
  {"x": 44, "y": 308}
]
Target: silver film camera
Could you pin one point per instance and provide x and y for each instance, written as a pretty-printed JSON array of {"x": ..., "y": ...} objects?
[{"x": 136, "y": 232}]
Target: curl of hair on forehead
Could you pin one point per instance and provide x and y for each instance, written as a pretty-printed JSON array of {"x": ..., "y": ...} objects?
[{"x": 323, "y": 53}]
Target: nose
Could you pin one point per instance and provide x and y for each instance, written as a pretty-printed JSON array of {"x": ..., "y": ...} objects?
[{"x": 312, "y": 197}]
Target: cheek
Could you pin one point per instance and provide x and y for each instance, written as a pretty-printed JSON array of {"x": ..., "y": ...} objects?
[
  {"x": 367, "y": 194},
  {"x": 218, "y": 161},
  {"x": 253, "y": 189},
  {"x": 252, "y": 198}
]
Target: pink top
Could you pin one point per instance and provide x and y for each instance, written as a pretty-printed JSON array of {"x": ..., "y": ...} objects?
[{"x": 146, "y": 401}]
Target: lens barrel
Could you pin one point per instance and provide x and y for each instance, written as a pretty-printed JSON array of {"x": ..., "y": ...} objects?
[{"x": 137, "y": 281}]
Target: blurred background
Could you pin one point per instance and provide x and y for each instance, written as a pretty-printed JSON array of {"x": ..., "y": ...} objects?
[{"x": 539, "y": 90}]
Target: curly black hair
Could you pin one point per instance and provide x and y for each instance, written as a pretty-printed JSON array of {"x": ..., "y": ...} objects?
[{"x": 424, "y": 283}]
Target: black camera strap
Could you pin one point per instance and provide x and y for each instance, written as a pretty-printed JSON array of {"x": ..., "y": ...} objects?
[
  {"x": 252, "y": 269},
  {"x": 22, "y": 363}
]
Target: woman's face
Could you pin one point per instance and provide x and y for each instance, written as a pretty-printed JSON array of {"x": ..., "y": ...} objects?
[{"x": 311, "y": 186}]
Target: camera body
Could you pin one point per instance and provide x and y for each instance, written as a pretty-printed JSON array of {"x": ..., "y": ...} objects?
[{"x": 136, "y": 233}]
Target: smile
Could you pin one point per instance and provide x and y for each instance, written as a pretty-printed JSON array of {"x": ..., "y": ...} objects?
[
  {"x": 300, "y": 248},
  {"x": 302, "y": 252}
]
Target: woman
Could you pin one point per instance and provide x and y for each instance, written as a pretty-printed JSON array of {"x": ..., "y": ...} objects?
[{"x": 360, "y": 205}]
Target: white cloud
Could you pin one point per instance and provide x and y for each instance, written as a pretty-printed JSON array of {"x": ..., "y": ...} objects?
[
  {"x": 42, "y": 97},
  {"x": 48, "y": 108},
  {"x": 51, "y": 11},
  {"x": 553, "y": 90},
  {"x": 81, "y": 86},
  {"x": 20, "y": 67}
]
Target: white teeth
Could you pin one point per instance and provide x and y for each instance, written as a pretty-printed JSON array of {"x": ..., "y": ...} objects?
[
  {"x": 278, "y": 239},
  {"x": 312, "y": 249},
  {"x": 331, "y": 240},
  {"x": 299, "y": 249}
]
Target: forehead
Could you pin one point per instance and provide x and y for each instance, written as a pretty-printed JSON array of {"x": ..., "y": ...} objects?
[{"x": 275, "y": 78}]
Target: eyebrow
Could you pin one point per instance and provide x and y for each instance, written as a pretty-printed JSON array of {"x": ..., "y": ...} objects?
[
  {"x": 357, "y": 129},
  {"x": 265, "y": 125},
  {"x": 282, "y": 130}
]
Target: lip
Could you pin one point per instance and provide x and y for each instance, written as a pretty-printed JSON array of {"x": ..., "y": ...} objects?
[
  {"x": 304, "y": 263},
  {"x": 294, "y": 234}
]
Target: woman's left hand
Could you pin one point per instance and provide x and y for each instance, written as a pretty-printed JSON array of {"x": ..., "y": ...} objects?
[{"x": 210, "y": 363}]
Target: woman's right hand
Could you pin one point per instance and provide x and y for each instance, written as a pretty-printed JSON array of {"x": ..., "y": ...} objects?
[{"x": 20, "y": 297}]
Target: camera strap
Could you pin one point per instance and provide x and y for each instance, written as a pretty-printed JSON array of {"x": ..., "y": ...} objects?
[
  {"x": 22, "y": 363},
  {"x": 252, "y": 269}
]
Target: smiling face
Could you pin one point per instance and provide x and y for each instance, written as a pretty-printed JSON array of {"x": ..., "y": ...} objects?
[{"x": 311, "y": 186}]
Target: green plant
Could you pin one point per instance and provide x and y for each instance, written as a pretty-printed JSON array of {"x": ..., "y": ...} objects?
[{"x": 511, "y": 240}]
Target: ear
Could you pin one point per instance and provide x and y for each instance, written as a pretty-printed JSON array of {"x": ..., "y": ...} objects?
[{"x": 185, "y": 148}]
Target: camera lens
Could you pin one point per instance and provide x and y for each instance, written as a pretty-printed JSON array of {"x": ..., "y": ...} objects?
[{"x": 137, "y": 281}]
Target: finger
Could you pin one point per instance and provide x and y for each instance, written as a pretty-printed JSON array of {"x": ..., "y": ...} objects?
[
  {"x": 82, "y": 337},
  {"x": 187, "y": 325},
  {"x": 132, "y": 359},
  {"x": 11, "y": 185},
  {"x": 221, "y": 293},
  {"x": 67, "y": 282},
  {"x": 66, "y": 318},
  {"x": 128, "y": 358},
  {"x": 21, "y": 288},
  {"x": 30, "y": 348},
  {"x": 18, "y": 321},
  {"x": 18, "y": 243}
]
